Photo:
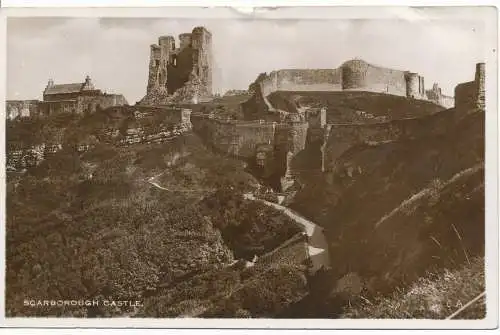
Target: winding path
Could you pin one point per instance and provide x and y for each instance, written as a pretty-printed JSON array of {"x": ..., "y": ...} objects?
[
  {"x": 317, "y": 244},
  {"x": 155, "y": 184},
  {"x": 316, "y": 241}
]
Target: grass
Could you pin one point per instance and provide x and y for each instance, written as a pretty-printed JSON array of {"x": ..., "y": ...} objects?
[
  {"x": 345, "y": 107},
  {"x": 435, "y": 296}
]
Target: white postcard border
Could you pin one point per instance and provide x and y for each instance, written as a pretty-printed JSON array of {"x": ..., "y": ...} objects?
[{"x": 491, "y": 171}]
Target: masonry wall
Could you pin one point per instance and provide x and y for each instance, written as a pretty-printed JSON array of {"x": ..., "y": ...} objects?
[
  {"x": 184, "y": 71},
  {"x": 466, "y": 95},
  {"x": 21, "y": 108},
  {"x": 353, "y": 75},
  {"x": 342, "y": 137},
  {"x": 88, "y": 104},
  {"x": 359, "y": 75},
  {"x": 151, "y": 114},
  {"x": 480, "y": 79},
  {"x": 234, "y": 138},
  {"x": 47, "y": 108},
  {"x": 302, "y": 80},
  {"x": 472, "y": 94},
  {"x": 446, "y": 101}
]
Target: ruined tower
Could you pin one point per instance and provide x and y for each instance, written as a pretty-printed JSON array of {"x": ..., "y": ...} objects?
[
  {"x": 412, "y": 85},
  {"x": 201, "y": 40},
  {"x": 422, "y": 87},
  {"x": 472, "y": 94},
  {"x": 183, "y": 73},
  {"x": 290, "y": 139},
  {"x": 480, "y": 82}
]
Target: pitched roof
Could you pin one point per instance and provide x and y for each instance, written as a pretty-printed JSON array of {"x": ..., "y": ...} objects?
[{"x": 64, "y": 88}]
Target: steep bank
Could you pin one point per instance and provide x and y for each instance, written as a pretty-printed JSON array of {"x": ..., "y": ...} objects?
[
  {"x": 394, "y": 209},
  {"x": 317, "y": 246},
  {"x": 355, "y": 106},
  {"x": 88, "y": 225}
]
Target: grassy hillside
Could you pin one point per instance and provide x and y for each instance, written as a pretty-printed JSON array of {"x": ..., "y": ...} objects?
[
  {"x": 435, "y": 296},
  {"x": 91, "y": 226},
  {"x": 393, "y": 211},
  {"x": 224, "y": 107},
  {"x": 265, "y": 289},
  {"x": 347, "y": 107}
]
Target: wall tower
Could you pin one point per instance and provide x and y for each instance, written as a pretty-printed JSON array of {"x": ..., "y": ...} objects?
[
  {"x": 480, "y": 82},
  {"x": 412, "y": 85},
  {"x": 201, "y": 42}
]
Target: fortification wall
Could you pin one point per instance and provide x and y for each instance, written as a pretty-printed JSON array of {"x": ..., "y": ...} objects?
[
  {"x": 341, "y": 137},
  {"x": 90, "y": 104},
  {"x": 291, "y": 137},
  {"x": 301, "y": 80},
  {"x": 251, "y": 135},
  {"x": 353, "y": 75},
  {"x": 446, "y": 101},
  {"x": 234, "y": 138},
  {"x": 21, "y": 108},
  {"x": 309, "y": 80},
  {"x": 465, "y": 95},
  {"x": 472, "y": 94},
  {"x": 268, "y": 83},
  {"x": 435, "y": 95},
  {"x": 359, "y": 75},
  {"x": 480, "y": 78}
]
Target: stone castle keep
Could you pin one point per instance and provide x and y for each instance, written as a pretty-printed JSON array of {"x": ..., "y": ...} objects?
[{"x": 183, "y": 73}]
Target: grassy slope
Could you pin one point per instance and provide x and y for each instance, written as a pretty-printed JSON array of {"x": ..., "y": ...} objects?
[
  {"x": 223, "y": 107},
  {"x": 342, "y": 106},
  {"x": 264, "y": 290},
  {"x": 436, "y": 296},
  {"x": 408, "y": 175},
  {"x": 116, "y": 235}
]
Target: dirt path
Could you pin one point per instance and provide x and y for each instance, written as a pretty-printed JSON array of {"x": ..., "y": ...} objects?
[
  {"x": 317, "y": 244},
  {"x": 155, "y": 184}
]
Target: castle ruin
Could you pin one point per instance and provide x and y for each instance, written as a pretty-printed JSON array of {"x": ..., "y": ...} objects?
[
  {"x": 352, "y": 75},
  {"x": 472, "y": 94},
  {"x": 180, "y": 74}
]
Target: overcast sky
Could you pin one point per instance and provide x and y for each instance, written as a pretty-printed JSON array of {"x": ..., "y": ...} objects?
[{"x": 115, "y": 51}]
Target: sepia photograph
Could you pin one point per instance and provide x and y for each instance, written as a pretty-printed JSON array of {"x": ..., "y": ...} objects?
[{"x": 246, "y": 166}]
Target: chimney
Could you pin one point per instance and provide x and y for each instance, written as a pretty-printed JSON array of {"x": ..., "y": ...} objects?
[{"x": 88, "y": 84}]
